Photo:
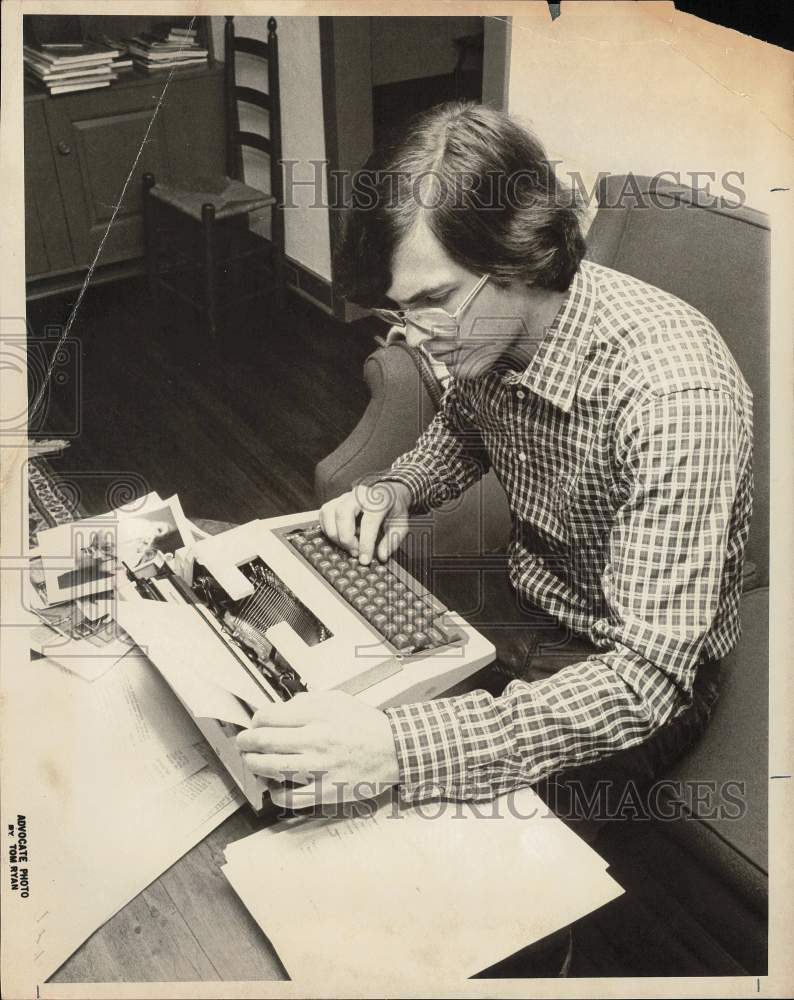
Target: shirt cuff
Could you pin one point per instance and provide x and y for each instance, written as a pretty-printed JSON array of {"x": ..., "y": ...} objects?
[
  {"x": 420, "y": 483},
  {"x": 442, "y": 744}
]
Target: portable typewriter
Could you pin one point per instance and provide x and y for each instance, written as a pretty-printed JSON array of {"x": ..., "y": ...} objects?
[{"x": 279, "y": 609}]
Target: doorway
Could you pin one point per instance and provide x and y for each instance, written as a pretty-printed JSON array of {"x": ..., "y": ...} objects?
[
  {"x": 378, "y": 71},
  {"x": 418, "y": 62}
]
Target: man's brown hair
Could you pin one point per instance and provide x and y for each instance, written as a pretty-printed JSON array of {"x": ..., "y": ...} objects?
[{"x": 484, "y": 187}]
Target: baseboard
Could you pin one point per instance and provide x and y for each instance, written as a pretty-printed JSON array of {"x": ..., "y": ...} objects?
[
  {"x": 301, "y": 279},
  {"x": 309, "y": 285},
  {"x": 60, "y": 282}
]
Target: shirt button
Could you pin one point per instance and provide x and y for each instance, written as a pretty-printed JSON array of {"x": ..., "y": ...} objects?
[
  {"x": 520, "y": 394},
  {"x": 522, "y": 457}
]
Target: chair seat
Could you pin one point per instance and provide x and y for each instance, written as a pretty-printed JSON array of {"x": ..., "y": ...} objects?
[{"x": 229, "y": 197}]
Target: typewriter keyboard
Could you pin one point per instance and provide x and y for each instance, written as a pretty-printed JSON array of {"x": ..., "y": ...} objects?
[{"x": 404, "y": 617}]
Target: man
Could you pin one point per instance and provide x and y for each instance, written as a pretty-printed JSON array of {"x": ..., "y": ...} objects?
[{"x": 621, "y": 429}]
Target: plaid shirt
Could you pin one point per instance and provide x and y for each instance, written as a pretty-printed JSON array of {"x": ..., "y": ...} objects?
[{"x": 625, "y": 451}]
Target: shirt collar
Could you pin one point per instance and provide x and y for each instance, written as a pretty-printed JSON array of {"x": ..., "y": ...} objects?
[{"x": 556, "y": 366}]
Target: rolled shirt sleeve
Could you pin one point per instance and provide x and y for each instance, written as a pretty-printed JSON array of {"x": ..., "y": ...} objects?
[{"x": 680, "y": 458}]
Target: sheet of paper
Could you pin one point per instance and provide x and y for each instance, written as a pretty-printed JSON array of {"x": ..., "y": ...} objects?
[
  {"x": 99, "y": 885},
  {"x": 449, "y": 888},
  {"x": 195, "y": 662},
  {"x": 114, "y": 784}
]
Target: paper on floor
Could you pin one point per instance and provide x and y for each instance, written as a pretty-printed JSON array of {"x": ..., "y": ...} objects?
[
  {"x": 447, "y": 889},
  {"x": 113, "y": 782}
]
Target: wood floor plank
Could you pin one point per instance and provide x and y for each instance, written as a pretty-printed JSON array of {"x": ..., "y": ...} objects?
[
  {"x": 147, "y": 941},
  {"x": 225, "y": 930},
  {"x": 236, "y": 433}
]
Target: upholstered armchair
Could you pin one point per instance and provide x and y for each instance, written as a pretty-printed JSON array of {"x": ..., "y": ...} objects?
[{"x": 716, "y": 258}]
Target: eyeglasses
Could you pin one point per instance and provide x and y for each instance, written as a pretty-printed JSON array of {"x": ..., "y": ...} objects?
[{"x": 433, "y": 320}]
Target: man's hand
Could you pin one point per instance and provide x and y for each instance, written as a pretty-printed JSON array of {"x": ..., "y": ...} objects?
[
  {"x": 338, "y": 748},
  {"x": 383, "y": 505}
]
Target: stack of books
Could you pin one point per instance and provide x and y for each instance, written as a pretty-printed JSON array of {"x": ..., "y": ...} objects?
[
  {"x": 71, "y": 66},
  {"x": 166, "y": 48}
]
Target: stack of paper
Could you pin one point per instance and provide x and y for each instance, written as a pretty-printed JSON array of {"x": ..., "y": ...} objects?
[
  {"x": 167, "y": 48},
  {"x": 76, "y": 571},
  {"x": 431, "y": 894},
  {"x": 71, "y": 66}
]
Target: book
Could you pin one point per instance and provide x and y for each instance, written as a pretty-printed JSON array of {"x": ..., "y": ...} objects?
[
  {"x": 150, "y": 55},
  {"x": 166, "y": 32},
  {"x": 181, "y": 64},
  {"x": 146, "y": 41},
  {"x": 70, "y": 87},
  {"x": 84, "y": 82},
  {"x": 89, "y": 52},
  {"x": 46, "y": 74}
]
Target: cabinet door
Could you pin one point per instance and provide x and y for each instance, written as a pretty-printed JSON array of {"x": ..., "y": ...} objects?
[
  {"x": 47, "y": 246},
  {"x": 105, "y": 140}
]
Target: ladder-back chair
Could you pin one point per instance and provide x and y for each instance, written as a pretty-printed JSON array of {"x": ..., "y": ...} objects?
[{"x": 214, "y": 279}]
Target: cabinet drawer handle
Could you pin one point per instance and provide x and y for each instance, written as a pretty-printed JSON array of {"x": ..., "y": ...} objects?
[{"x": 64, "y": 148}]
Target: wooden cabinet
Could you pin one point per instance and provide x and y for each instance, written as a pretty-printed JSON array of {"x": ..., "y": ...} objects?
[
  {"x": 47, "y": 245},
  {"x": 85, "y": 153}
]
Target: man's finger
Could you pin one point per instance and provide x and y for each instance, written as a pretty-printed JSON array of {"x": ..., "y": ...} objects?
[
  {"x": 393, "y": 535},
  {"x": 279, "y": 767},
  {"x": 368, "y": 534},
  {"x": 328, "y": 520},
  {"x": 346, "y": 525},
  {"x": 273, "y": 739},
  {"x": 295, "y": 712},
  {"x": 289, "y": 797}
]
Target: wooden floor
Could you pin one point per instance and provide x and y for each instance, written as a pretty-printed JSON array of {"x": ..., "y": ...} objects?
[{"x": 237, "y": 433}]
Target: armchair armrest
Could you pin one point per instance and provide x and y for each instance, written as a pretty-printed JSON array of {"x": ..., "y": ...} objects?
[
  {"x": 403, "y": 402},
  {"x": 400, "y": 408}
]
